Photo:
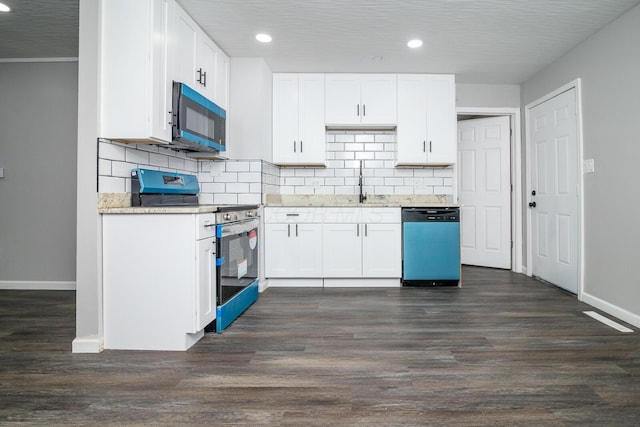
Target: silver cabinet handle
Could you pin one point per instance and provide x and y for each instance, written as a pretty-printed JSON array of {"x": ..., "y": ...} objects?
[
  {"x": 358, "y": 230},
  {"x": 366, "y": 230},
  {"x": 288, "y": 230},
  {"x": 294, "y": 146},
  {"x": 364, "y": 110},
  {"x": 296, "y": 230},
  {"x": 424, "y": 146},
  {"x": 358, "y": 109},
  {"x": 429, "y": 146},
  {"x": 293, "y": 214},
  {"x": 301, "y": 146}
]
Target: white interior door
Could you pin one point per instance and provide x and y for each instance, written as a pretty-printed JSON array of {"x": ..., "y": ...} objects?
[
  {"x": 484, "y": 168},
  {"x": 553, "y": 200}
]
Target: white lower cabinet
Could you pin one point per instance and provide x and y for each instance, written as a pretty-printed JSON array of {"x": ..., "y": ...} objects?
[
  {"x": 293, "y": 250},
  {"x": 159, "y": 281},
  {"x": 334, "y": 244}
]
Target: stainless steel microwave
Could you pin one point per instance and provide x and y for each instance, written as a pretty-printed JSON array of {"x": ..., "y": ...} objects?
[{"x": 198, "y": 123}]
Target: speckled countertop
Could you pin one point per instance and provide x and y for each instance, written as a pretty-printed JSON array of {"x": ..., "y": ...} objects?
[
  {"x": 338, "y": 200},
  {"x": 120, "y": 203}
]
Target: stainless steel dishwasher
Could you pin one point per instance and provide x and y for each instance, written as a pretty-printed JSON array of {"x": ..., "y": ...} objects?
[{"x": 431, "y": 246}]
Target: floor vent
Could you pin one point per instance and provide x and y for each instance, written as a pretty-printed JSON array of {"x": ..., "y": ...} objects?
[{"x": 607, "y": 321}]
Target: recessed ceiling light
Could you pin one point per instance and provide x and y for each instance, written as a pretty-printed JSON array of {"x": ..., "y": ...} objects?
[
  {"x": 414, "y": 43},
  {"x": 264, "y": 38},
  {"x": 4, "y": 8}
]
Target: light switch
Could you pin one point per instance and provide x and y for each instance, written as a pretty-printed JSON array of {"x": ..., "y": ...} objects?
[{"x": 588, "y": 166}]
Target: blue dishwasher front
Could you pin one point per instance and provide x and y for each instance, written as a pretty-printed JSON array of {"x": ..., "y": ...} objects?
[{"x": 430, "y": 246}]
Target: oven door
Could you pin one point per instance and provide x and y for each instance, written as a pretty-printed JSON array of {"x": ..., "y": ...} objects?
[{"x": 237, "y": 262}]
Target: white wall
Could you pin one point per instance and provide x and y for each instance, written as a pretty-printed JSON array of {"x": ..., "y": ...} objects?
[
  {"x": 38, "y": 120},
  {"x": 250, "y": 106},
  {"x": 609, "y": 65},
  {"x": 484, "y": 95}
]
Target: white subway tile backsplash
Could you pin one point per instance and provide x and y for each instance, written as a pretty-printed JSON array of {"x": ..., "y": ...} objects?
[
  {"x": 250, "y": 199},
  {"x": 205, "y": 198},
  {"x": 237, "y": 187},
  {"x": 237, "y": 166},
  {"x": 159, "y": 160},
  {"x": 385, "y": 138},
  {"x": 104, "y": 167},
  {"x": 122, "y": 169},
  {"x": 133, "y": 155},
  {"x": 176, "y": 163},
  {"x": 111, "y": 151},
  {"x": 304, "y": 172},
  {"x": 345, "y": 138},
  {"x": 365, "y": 138},
  {"x": 249, "y": 177},
  {"x": 227, "y": 177},
  {"x": 370, "y": 155},
  {"x": 109, "y": 184},
  {"x": 354, "y": 147},
  {"x": 246, "y": 181},
  {"x": 212, "y": 187},
  {"x": 225, "y": 199}
]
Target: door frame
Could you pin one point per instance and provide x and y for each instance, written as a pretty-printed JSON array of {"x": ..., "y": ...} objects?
[
  {"x": 577, "y": 85},
  {"x": 517, "y": 230}
]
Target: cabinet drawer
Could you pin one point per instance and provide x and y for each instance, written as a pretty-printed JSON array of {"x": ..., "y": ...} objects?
[
  {"x": 380, "y": 215},
  {"x": 292, "y": 215},
  {"x": 206, "y": 226},
  {"x": 342, "y": 215}
]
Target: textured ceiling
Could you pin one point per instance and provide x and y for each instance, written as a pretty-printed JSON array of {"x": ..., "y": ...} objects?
[
  {"x": 482, "y": 41},
  {"x": 39, "y": 29}
]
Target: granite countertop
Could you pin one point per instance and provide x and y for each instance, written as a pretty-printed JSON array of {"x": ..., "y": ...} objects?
[
  {"x": 339, "y": 200},
  {"x": 120, "y": 203}
]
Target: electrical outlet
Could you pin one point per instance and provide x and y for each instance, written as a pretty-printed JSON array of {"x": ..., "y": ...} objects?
[
  {"x": 588, "y": 166},
  {"x": 315, "y": 183}
]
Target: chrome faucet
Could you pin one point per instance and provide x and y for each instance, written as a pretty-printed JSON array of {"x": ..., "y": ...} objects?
[{"x": 363, "y": 197}]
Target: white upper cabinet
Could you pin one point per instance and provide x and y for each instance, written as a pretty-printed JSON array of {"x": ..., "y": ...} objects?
[
  {"x": 426, "y": 131},
  {"x": 136, "y": 70},
  {"x": 200, "y": 63},
  {"x": 145, "y": 45},
  {"x": 298, "y": 119},
  {"x": 360, "y": 99}
]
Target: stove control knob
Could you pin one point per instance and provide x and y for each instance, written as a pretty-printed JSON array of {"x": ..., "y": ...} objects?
[
  {"x": 227, "y": 217},
  {"x": 249, "y": 214}
]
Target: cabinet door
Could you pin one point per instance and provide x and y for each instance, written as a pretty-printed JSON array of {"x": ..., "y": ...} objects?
[
  {"x": 206, "y": 66},
  {"x": 441, "y": 119},
  {"x": 308, "y": 250},
  {"x": 412, "y": 116},
  {"x": 205, "y": 283},
  {"x": 378, "y": 99},
  {"x": 222, "y": 81},
  {"x": 161, "y": 70},
  {"x": 381, "y": 251},
  {"x": 342, "y": 254},
  {"x": 186, "y": 32},
  {"x": 342, "y": 99},
  {"x": 279, "y": 251},
  {"x": 285, "y": 119},
  {"x": 311, "y": 128}
]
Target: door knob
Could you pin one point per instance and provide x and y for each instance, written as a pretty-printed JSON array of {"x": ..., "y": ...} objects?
[
  {"x": 532, "y": 204},
  {"x": 533, "y": 193}
]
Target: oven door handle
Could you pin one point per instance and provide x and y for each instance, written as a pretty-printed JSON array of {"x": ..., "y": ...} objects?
[{"x": 234, "y": 228}]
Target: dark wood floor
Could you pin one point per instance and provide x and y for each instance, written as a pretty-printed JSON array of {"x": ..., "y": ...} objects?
[{"x": 502, "y": 350}]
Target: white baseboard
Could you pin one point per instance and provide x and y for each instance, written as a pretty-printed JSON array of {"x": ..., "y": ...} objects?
[
  {"x": 92, "y": 344},
  {"x": 40, "y": 286},
  {"x": 614, "y": 310},
  {"x": 362, "y": 283},
  {"x": 295, "y": 283}
]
